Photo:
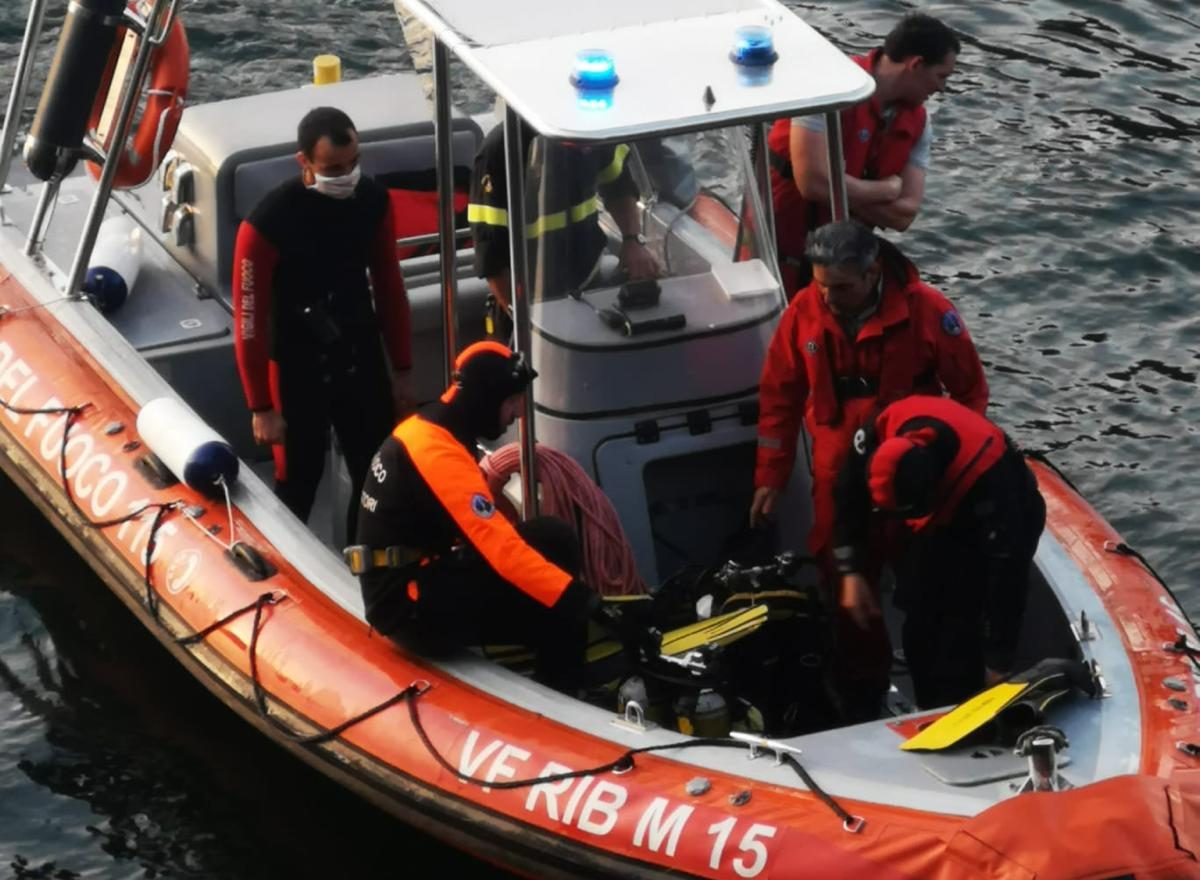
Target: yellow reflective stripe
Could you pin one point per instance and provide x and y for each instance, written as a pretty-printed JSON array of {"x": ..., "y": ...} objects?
[
  {"x": 487, "y": 214},
  {"x": 615, "y": 167},
  {"x": 559, "y": 219}
]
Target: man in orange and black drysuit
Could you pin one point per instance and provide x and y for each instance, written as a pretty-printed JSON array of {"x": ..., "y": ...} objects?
[
  {"x": 866, "y": 331},
  {"x": 439, "y": 565},
  {"x": 972, "y": 514}
]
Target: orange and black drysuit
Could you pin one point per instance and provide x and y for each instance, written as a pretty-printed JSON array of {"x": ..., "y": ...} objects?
[
  {"x": 475, "y": 577},
  {"x": 309, "y": 333},
  {"x": 972, "y": 517},
  {"x": 875, "y": 145}
]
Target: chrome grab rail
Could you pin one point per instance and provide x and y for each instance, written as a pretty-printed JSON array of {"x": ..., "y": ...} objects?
[{"x": 431, "y": 238}]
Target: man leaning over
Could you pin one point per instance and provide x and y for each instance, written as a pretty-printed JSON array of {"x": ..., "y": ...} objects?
[{"x": 867, "y": 331}]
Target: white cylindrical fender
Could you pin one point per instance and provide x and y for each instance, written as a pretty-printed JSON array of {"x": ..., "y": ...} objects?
[
  {"x": 193, "y": 451},
  {"x": 115, "y": 264}
]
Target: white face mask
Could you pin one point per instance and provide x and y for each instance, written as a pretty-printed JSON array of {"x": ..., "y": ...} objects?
[{"x": 337, "y": 187}]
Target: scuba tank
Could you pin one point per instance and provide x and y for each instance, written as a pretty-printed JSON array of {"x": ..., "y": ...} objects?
[
  {"x": 115, "y": 264},
  {"x": 85, "y": 45},
  {"x": 702, "y": 714}
]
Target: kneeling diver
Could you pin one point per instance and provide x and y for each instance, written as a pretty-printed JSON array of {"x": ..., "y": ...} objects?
[{"x": 439, "y": 566}]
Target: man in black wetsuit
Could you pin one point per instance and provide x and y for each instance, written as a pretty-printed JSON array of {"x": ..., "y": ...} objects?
[
  {"x": 439, "y": 565},
  {"x": 309, "y": 344}
]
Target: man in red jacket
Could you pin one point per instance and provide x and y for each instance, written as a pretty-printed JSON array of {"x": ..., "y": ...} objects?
[
  {"x": 972, "y": 515},
  {"x": 885, "y": 144},
  {"x": 867, "y": 331},
  {"x": 309, "y": 330}
]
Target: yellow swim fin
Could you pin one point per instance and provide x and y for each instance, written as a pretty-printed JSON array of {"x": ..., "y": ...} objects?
[
  {"x": 720, "y": 630},
  {"x": 1025, "y": 695}
]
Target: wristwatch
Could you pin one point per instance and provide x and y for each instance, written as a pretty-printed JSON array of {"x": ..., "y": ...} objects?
[{"x": 636, "y": 236}]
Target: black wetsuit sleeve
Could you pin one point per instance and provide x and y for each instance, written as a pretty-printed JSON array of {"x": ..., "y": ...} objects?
[
  {"x": 852, "y": 506},
  {"x": 1006, "y": 514}
]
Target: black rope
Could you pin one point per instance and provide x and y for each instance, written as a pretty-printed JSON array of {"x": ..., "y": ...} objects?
[
  {"x": 622, "y": 764},
  {"x": 1037, "y": 455},
  {"x": 1120, "y": 548},
  {"x": 260, "y": 693},
  {"x": 161, "y": 509},
  {"x": 201, "y": 635}
]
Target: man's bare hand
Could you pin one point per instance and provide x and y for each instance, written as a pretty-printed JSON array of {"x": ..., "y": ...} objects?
[
  {"x": 858, "y": 600},
  {"x": 638, "y": 261},
  {"x": 269, "y": 427},
  {"x": 762, "y": 508}
]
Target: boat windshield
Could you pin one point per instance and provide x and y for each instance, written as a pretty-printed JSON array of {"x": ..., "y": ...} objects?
[{"x": 646, "y": 239}]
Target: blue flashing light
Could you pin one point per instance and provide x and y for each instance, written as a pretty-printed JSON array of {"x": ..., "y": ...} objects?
[
  {"x": 594, "y": 69},
  {"x": 592, "y": 100},
  {"x": 753, "y": 46}
]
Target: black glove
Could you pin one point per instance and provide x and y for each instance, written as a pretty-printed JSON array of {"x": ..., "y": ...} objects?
[
  {"x": 639, "y": 640},
  {"x": 577, "y": 602}
]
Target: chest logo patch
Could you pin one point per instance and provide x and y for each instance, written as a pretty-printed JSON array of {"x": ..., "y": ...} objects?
[
  {"x": 860, "y": 441},
  {"x": 811, "y": 346},
  {"x": 482, "y": 506},
  {"x": 486, "y": 183},
  {"x": 951, "y": 323},
  {"x": 864, "y": 135}
]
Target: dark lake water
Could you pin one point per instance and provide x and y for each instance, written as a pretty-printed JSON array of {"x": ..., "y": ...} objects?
[{"x": 1061, "y": 214}]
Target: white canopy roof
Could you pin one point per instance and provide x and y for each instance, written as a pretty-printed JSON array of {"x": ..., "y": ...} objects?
[{"x": 667, "y": 53}]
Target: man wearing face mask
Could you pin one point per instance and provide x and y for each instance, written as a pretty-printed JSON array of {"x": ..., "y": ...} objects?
[
  {"x": 310, "y": 332},
  {"x": 886, "y": 144},
  {"x": 439, "y": 565},
  {"x": 867, "y": 331}
]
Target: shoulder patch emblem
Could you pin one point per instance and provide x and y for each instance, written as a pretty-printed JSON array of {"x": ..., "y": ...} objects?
[
  {"x": 860, "y": 441},
  {"x": 951, "y": 323},
  {"x": 482, "y": 506},
  {"x": 811, "y": 346},
  {"x": 486, "y": 183}
]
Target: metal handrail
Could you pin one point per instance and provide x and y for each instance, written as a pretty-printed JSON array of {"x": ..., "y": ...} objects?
[
  {"x": 431, "y": 238},
  {"x": 164, "y": 12},
  {"x": 20, "y": 88},
  {"x": 514, "y": 161},
  {"x": 445, "y": 183}
]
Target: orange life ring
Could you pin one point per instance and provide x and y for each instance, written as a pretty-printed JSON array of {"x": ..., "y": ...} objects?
[{"x": 148, "y": 144}]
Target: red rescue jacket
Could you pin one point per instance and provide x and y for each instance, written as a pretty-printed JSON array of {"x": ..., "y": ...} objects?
[
  {"x": 980, "y": 445},
  {"x": 872, "y": 150},
  {"x": 915, "y": 343}
]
